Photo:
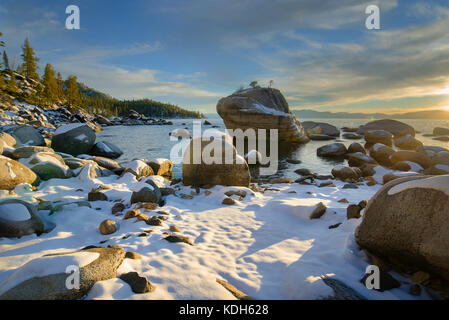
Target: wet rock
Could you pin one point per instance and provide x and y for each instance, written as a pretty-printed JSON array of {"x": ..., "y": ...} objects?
[
  {"x": 106, "y": 149},
  {"x": 379, "y": 136},
  {"x": 356, "y": 147},
  {"x": 332, "y": 150}
]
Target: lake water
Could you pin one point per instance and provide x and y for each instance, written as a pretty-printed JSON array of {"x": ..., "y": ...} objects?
[{"x": 148, "y": 142}]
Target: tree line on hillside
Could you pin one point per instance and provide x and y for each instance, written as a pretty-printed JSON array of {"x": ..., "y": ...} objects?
[{"x": 52, "y": 89}]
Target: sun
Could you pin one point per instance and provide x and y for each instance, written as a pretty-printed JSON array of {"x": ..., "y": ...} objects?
[{"x": 446, "y": 108}]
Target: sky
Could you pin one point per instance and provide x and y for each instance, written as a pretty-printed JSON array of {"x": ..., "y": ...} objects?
[{"x": 319, "y": 53}]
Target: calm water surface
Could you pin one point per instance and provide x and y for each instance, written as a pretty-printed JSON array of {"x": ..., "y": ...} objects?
[{"x": 154, "y": 142}]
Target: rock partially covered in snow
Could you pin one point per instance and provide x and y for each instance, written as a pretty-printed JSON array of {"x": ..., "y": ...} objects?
[
  {"x": 261, "y": 108},
  {"x": 27, "y": 135},
  {"x": 19, "y": 218},
  {"x": 408, "y": 142},
  {"x": 222, "y": 165},
  {"x": 106, "y": 149},
  {"x": 46, "y": 278},
  {"x": 419, "y": 157},
  {"x": 407, "y": 223},
  {"x": 13, "y": 173},
  {"x": 161, "y": 167},
  {"x": 150, "y": 193},
  {"x": 138, "y": 168},
  {"x": 74, "y": 139}
]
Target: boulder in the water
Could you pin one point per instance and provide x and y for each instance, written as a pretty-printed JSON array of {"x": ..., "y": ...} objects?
[{"x": 74, "y": 139}]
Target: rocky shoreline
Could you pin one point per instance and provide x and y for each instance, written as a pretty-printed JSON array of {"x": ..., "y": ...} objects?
[{"x": 134, "y": 230}]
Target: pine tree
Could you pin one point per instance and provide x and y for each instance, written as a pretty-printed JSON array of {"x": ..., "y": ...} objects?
[
  {"x": 29, "y": 66},
  {"x": 2, "y": 43},
  {"x": 5, "y": 61},
  {"x": 73, "y": 96},
  {"x": 11, "y": 85},
  {"x": 60, "y": 88},
  {"x": 50, "y": 93}
]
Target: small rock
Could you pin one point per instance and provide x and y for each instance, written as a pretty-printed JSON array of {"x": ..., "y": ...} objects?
[
  {"x": 131, "y": 214},
  {"x": 318, "y": 211},
  {"x": 176, "y": 238},
  {"x": 117, "y": 208},
  {"x": 174, "y": 228},
  {"x": 137, "y": 283},
  {"x": 96, "y": 196},
  {"x": 328, "y": 184},
  {"x": 344, "y": 200},
  {"x": 363, "y": 204},
  {"x": 353, "y": 211},
  {"x": 186, "y": 196},
  {"x": 133, "y": 255},
  {"x": 107, "y": 227},
  {"x": 147, "y": 206},
  {"x": 280, "y": 180},
  {"x": 207, "y": 193},
  {"x": 154, "y": 221},
  {"x": 228, "y": 201},
  {"x": 335, "y": 225},
  {"x": 350, "y": 186}
]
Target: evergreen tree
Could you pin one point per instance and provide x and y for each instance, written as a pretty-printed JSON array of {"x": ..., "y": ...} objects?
[
  {"x": 72, "y": 94},
  {"x": 50, "y": 92},
  {"x": 5, "y": 61},
  {"x": 60, "y": 89},
  {"x": 11, "y": 85},
  {"x": 2, "y": 43},
  {"x": 29, "y": 66}
]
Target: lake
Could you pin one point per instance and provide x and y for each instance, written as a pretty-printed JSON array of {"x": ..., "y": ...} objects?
[{"x": 148, "y": 142}]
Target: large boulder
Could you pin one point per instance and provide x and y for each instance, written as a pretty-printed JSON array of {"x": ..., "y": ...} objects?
[
  {"x": 13, "y": 173},
  {"x": 28, "y": 151},
  {"x": 395, "y": 127},
  {"x": 7, "y": 140},
  {"x": 106, "y": 149},
  {"x": 332, "y": 150},
  {"x": 379, "y": 136},
  {"x": 406, "y": 223},
  {"x": 419, "y": 157},
  {"x": 45, "y": 278},
  {"x": 441, "y": 131},
  {"x": 320, "y": 128},
  {"x": 261, "y": 108},
  {"x": 228, "y": 169},
  {"x": 74, "y": 139},
  {"x": 408, "y": 142},
  {"x": 381, "y": 153},
  {"x": 358, "y": 159},
  {"x": 19, "y": 218},
  {"x": 27, "y": 135}
]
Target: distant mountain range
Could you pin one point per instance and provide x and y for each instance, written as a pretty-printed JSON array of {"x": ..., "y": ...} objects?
[{"x": 431, "y": 114}]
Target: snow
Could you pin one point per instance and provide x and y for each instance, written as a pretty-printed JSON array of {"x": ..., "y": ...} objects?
[
  {"x": 14, "y": 212},
  {"x": 265, "y": 245},
  {"x": 67, "y": 127},
  {"x": 81, "y": 137},
  {"x": 46, "y": 266},
  {"x": 440, "y": 183},
  {"x": 263, "y": 109}
]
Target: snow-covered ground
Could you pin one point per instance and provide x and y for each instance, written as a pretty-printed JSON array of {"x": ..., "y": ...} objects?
[{"x": 265, "y": 245}]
